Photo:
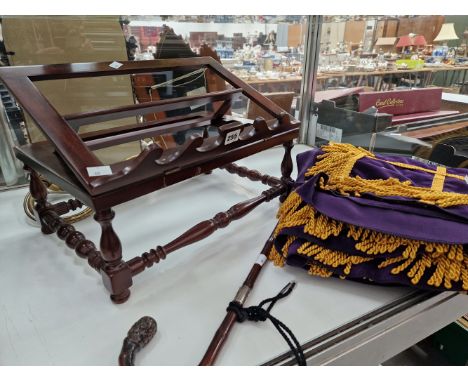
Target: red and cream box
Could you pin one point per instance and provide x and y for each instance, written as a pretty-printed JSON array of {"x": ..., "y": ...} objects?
[{"x": 398, "y": 102}]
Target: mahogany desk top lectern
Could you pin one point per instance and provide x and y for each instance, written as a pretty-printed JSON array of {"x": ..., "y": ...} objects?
[{"x": 67, "y": 157}]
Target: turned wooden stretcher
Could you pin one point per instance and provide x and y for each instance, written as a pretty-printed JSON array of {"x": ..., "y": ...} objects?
[{"x": 67, "y": 159}]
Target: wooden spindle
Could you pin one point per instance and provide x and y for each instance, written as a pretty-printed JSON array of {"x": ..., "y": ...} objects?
[
  {"x": 63, "y": 208},
  {"x": 252, "y": 175},
  {"x": 74, "y": 239},
  {"x": 286, "y": 169},
  {"x": 202, "y": 230},
  {"x": 115, "y": 273},
  {"x": 109, "y": 244}
]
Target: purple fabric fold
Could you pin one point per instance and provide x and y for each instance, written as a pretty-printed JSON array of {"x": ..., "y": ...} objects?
[{"x": 397, "y": 215}]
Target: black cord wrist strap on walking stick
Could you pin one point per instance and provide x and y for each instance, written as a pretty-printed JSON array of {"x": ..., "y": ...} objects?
[{"x": 258, "y": 313}]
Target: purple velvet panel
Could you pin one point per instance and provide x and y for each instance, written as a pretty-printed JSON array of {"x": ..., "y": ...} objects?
[
  {"x": 392, "y": 215},
  {"x": 400, "y": 216}
]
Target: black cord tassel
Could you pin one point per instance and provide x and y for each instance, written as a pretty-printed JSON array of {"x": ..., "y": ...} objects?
[{"x": 258, "y": 313}]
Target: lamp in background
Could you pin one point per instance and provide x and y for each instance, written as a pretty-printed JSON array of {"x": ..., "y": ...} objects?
[
  {"x": 410, "y": 41},
  {"x": 420, "y": 43},
  {"x": 404, "y": 41},
  {"x": 446, "y": 33},
  {"x": 419, "y": 40}
]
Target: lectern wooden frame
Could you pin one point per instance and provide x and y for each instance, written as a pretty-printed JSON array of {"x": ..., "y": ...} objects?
[{"x": 66, "y": 157}]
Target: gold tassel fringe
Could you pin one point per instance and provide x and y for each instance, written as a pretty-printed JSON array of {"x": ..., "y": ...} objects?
[
  {"x": 339, "y": 159},
  {"x": 447, "y": 262}
]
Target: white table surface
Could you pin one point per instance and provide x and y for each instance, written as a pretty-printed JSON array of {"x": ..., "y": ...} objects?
[{"x": 54, "y": 309}]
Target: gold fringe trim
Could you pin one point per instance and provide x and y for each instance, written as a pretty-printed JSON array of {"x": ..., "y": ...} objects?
[
  {"x": 439, "y": 179},
  {"x": 418, "y": 168},
  {"x": 447, "y": 262},
  {"x": 276, "y": 258},
  {"x": 331, "y": 258},
  {"x": 317, "y": 270},
  {"x": 339, "y": 159}
]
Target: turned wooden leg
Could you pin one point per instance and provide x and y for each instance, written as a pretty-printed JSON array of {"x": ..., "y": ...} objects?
[
  {"x": 116, "y": 274},
  {"x": 286, "y": 169},
  {"x": 38, "y": 191}
]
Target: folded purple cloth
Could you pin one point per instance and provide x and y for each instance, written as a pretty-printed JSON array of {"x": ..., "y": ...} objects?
[{"x": 387, "y": 219}]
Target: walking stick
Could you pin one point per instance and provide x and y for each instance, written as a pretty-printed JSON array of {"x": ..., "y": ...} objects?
[
  {"x": 137, "y": 338},
  {"x": 222, "y": 333},
  {"x": 143, "y": 330}
]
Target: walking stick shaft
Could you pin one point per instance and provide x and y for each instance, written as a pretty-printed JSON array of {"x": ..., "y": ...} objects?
[{"x": 224, "y": 329}]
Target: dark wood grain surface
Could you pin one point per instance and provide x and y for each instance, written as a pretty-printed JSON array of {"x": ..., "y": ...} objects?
[
  {"x": 66, "y": 158},
  {"x": 77, "y": 154}
]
